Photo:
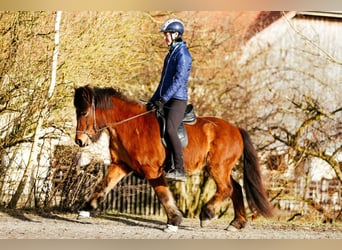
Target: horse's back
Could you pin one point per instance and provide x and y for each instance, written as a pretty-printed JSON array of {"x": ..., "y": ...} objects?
[
  {"x": 213, "y": 128},
  {"x": 209, "y": 139}
]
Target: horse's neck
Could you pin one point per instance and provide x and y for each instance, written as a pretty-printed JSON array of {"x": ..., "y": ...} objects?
[
  {"x": 120, "y": 121},
  {"x": 123, "y": 110}
]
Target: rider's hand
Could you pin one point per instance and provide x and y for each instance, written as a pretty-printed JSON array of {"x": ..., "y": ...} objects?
[
  {"x": 149, "y": 105},
  {"x": 159, "y": 105}
]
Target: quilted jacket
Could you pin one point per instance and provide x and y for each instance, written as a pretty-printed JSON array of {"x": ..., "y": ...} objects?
[{"x": 175, "y": 74}]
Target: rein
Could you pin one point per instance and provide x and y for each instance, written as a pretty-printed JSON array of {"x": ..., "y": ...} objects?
[{"x": 125, "y": 120}]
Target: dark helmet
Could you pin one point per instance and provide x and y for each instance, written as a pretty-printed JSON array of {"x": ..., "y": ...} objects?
[{"x": 173, "y": 25}]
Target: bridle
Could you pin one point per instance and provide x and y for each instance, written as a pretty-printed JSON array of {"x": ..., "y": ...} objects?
[
  {"x": 92, "y": 111},
  {"x": 93, "y": 114}
]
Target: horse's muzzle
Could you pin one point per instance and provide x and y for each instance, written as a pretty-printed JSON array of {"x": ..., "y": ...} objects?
[{"x": 80, "y": 143}]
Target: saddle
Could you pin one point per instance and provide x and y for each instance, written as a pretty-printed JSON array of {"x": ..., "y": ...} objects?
[{"x": 189, "y": 118}]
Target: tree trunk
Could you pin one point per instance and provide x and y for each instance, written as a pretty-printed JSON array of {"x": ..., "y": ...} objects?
[{"x": 329, "y": 159}]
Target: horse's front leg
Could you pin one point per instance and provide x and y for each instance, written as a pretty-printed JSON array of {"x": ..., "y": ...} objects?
[
  {"x": 174, "y": 215},
  {"x": 114, "y": 174}
]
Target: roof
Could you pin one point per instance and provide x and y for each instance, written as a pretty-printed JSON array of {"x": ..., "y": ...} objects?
[
  {"x": 327, "y": 14},
  {"x": 264, "y": 19}
]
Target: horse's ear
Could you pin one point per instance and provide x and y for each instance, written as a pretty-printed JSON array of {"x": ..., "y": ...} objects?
[
  {"x": 88, "y": 87},
  {"x": 79, "y": 90}
]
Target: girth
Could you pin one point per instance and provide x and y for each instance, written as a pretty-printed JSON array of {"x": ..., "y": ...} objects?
[{"x": 189, "y": 118}]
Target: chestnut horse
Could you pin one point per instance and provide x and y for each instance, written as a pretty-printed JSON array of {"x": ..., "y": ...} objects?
[{"x": 135, "y": 146}]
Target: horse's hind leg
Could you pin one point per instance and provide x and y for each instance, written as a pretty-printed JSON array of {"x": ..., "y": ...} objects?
[
  {"x": 174, "y": 215},
  {"x": 208, "y": 211},
  {"x": 240, "y": 218},
  {"x": 223, "y": 191},
  {"x": 114, "y": 174},
  {"x": 226, "y": 187}
]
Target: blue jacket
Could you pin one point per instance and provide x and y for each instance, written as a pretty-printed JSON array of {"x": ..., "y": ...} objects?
[{"x": 175, "y": 74}]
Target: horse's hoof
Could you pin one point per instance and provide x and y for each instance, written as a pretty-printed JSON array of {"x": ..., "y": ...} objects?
[
  {"x": 170, "y": 228},
  {"x": 204, "y": 223},
  {"x": 231, "y": 228}
]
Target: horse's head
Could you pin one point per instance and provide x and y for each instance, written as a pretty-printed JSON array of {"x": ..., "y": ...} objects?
[{"x": 86, "y": 130}]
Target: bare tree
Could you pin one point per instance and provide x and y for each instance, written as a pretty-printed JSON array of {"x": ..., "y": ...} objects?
[
  {"x": 317, "y": 136},
  {"x": 25, "y": 42}
]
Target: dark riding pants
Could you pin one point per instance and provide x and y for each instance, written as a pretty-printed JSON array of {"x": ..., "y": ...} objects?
[{"x": 174, "y": 111}]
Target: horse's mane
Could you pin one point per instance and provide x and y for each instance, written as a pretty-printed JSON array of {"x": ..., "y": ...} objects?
[{"x": 101, "y": 96}]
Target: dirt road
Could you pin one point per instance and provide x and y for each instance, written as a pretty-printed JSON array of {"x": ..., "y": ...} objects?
[{"x": 14, "y": 225}]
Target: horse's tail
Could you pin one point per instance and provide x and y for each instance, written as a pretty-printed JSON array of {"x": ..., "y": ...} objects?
[{"x": 255, "y": 192}]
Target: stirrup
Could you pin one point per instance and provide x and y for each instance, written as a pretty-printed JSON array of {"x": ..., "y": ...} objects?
[{"x": 175, "y": 175}]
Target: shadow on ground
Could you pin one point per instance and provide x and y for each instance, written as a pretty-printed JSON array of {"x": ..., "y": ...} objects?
[
  {"x": 22, "y": 215},
  {"x": 133, "y": 220}
]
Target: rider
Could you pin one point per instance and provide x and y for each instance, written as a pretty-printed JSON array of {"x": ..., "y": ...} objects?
[{"x": 171, "y": 94}]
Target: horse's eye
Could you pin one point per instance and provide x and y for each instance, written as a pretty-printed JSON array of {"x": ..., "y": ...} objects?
[{"x": 83, "y": 113}]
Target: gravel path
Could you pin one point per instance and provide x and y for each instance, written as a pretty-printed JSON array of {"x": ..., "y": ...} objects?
[{"x": 21, "y": 225}]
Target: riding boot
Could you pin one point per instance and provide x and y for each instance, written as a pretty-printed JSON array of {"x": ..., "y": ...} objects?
[
  {"x": 177, "y": 173},
  {"x": 179, "y": 164},
  {"x": 169, "y": 164}
]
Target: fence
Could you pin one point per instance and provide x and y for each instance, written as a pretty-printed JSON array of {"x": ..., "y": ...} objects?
[
  {"x": 324, "y": 196},
  {"x": 134, "y": 195}
]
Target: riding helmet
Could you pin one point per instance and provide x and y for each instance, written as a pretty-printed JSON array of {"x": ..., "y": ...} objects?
[{"x": 173, "y": 25}]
